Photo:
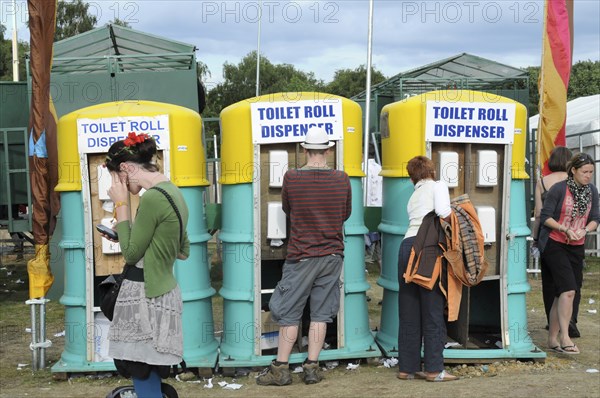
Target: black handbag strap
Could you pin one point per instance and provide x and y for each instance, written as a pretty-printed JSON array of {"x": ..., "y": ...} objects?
[{"x": 170, "y": 199}]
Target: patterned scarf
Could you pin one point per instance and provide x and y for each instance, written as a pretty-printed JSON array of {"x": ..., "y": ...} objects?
[{"x": 582, "y": 196}]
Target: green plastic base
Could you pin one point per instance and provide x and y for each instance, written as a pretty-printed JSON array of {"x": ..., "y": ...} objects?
[
  {"x": 208, "y": 361},
  {"x": 326, "y": 355},
  {"x": 485, "y": 355}
]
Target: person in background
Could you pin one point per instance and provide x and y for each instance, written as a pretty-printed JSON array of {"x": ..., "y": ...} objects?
[
  {"x": 146, "y": 334},
  {"x": 317, "y": 200},
  {"x": 570, "y": 212},
  {"x": 557, "y": 163},
  {"x": 421, "y": 310}
]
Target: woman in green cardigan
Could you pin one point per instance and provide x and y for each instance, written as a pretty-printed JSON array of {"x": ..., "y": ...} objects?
[{"x": 146, "y": 336}]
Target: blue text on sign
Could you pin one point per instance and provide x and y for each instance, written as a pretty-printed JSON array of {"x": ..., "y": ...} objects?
[
  {"x": 292, "y": 130},
  {"x": 294, "y": 112},
  {"x": 460, "y": 113},
  {"x": 122, "y": 126},
  {"x": 101, "y": 142},
  {"x": 452, "y": 130}
]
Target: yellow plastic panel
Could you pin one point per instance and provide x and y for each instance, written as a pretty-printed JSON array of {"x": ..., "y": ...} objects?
[
  {"x": 403, "y": 129},
  {"x": 402, "y": 135},
  {"x": 520, "y": 144},
  {"x": 236, "y": 135},
  {"x": 187, "y": 157}
]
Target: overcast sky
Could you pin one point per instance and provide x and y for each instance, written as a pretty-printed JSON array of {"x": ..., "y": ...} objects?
[{"x": 324, "y": 36}]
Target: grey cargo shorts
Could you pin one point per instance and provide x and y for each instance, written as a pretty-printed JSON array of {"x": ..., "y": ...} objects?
[{"x": 317, "y": 277}]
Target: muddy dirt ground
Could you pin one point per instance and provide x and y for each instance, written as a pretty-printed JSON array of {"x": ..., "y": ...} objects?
[{"x": 559, "y": 376}]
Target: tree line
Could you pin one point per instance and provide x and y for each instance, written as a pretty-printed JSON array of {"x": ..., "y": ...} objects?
[{"x": 239, "y": 80}]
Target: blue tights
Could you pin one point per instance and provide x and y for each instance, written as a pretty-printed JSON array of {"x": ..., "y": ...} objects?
[{"x": 148, "y": 388}]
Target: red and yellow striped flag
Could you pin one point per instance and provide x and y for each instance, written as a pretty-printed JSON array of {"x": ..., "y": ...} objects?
[{"x": 557, "y": 54}]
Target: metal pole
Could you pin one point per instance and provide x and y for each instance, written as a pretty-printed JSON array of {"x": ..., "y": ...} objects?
[
  {"x": 38, "y": 333},
  {"x": 34, "y": 336},
  {"x": 15, "y": 50},
  {"x": 367, "y": 103},
  {"x": 216, "y": 154},
  {"x": 42, "y": 334},
  {"x": 258, "y": 51}
]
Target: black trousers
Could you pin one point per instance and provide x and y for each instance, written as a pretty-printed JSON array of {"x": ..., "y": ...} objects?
[
  {"x": 549, "y": 294},
  {"x": 421, "y": 320}
]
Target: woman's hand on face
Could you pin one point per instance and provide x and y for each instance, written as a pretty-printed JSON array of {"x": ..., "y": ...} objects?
[{"x": 118, "y": 191}]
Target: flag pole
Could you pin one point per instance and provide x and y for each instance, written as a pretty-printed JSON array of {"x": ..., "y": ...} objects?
[
  {"x": 258, "y": 50},
  {"x": 15, "y": 49},
  {"x": 367, "y": 104}
]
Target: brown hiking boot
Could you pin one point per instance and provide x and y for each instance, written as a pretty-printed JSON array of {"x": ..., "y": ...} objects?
[
  {"x": 275, "y": 376},
  {"x": 312, "y": 373}
]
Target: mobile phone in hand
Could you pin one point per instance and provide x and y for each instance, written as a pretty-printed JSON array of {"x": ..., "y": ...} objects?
[{"x": 111, "y": 233}]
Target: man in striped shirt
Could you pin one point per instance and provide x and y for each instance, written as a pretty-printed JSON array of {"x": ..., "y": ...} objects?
[{"x": 317, "y": 201}]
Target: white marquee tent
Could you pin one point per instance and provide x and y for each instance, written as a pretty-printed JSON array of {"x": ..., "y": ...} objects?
[{"x": 583, "y": 127}]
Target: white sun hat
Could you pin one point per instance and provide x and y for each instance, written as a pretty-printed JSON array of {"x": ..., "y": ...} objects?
[{"x": 317, "y": 138}]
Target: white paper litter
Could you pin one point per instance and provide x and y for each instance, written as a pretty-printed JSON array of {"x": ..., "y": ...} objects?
[
  {"x": 188, "y": 381},
  {"x": 331, "y": 364},
  {"x": 591, "y": 301},
  {"x": 298, "y": 369},
  {"x": 60, "y": 334},
  {"x": 20, "y": 366},
  {"x": 592, "y": 311},
  {"x": 209, "y": 383},
  {"x": 390, "y": 362},
  {"x": 229, "y": 386},
  {"x": 451, "y": 344},
  {"x": 352, "y": 366},
  {"x": 592, "y": 371},
  {"x": 27, "y": 330},
  {"x": 19, "y": 281}
]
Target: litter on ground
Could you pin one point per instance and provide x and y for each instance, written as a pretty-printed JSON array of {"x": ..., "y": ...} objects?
[{"x": 389, "y": 362}]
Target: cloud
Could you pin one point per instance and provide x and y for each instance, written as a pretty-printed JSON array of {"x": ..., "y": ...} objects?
[{"x": 325, "y": 36}]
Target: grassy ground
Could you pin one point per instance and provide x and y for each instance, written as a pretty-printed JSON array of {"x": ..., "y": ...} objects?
[{"x": 558, "y": 376}]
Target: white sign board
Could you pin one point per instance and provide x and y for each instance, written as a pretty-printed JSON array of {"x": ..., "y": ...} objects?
[
  {"x": 288, "y": 121},
  {"x": 474, "y": 122},
  {"x": 97, "y": 135}
]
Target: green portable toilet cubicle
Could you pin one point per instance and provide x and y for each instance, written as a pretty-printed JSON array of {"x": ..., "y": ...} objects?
[
  {"x": 88, "y": 258},
  {"x": 260, "y": 141},
  {"x": 15, "y": 180},
  {"x": 14, "y": 159},
  {"x": 477, "y": 142}
]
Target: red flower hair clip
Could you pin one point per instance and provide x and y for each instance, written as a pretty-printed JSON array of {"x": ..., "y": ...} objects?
[{"x": 133, "y": 139}]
